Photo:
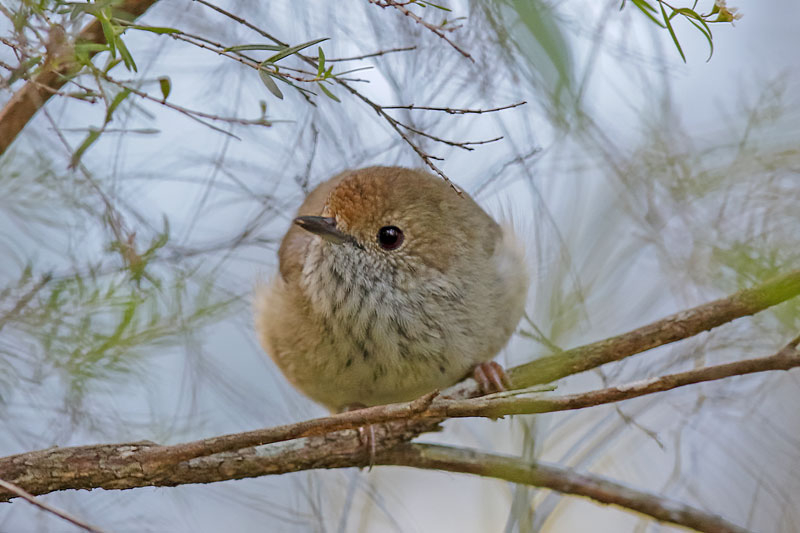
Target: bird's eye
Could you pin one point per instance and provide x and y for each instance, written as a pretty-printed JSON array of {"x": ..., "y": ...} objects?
[{"x": 390, "y": 237}]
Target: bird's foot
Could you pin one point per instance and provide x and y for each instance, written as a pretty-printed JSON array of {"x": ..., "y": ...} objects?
[
  {"x": 366, "y": 434},
  {"x": 491, "y": 378}
]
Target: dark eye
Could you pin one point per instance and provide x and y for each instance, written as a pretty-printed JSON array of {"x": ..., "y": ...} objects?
[{"x": 390, "y": 237}]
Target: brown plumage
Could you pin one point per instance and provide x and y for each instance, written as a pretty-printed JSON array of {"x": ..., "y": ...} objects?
[{"x": 364, "y": 315}]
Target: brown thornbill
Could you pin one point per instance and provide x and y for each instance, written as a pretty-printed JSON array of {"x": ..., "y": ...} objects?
[{"x": 391, "y": 285}]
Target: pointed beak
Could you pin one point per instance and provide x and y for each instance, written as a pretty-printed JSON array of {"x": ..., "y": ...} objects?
[{"x": 325, "y": 227}]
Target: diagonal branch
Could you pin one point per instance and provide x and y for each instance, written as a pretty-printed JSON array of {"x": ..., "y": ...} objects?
[
  {"x": 25, "y": 102},
  {"x": 30, "y": 498},
  {"x": 673, "y": 328},
  {"x": 432, "y": 456}
]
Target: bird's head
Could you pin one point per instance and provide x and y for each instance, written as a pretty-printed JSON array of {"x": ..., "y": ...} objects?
[{"x": 399, "y": 220}]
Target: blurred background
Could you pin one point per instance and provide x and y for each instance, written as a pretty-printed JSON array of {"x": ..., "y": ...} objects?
[{"x": 640, "y": 183}]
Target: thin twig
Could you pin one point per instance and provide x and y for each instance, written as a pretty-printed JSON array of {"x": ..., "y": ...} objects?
[
  {"x": 366, "y": 56},
  {"x": 400, "y": 6},
  {"x": 454, "y": 111},
  {"x": 464, "y": 145},
  {"x": 49, "y": 508}
]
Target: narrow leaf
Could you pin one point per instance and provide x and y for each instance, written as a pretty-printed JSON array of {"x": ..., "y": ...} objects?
[
  {"x": 118, "y": 99},
  {"x": 154, "y": 29},
  {"x": 321, "y": 65},
  {"x": 644, "y": 5},
  {"x": 108, "y": 33},
  {"x": 672, "y": 32},
  {"x": 267, "y": 80},
  {"x": 293, "y": 50},
  {"x": 328, "y": 93},
  {"x": 93, "y": 135},
  {"x": 645, "y": 8},
  {"x": 707, "y": 34},
  {"x": 126, "y": 55},
  {"x": 243, "y": 47}
]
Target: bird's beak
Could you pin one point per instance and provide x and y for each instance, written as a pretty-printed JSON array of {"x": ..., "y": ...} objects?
[{"x": 325, "y": 227}]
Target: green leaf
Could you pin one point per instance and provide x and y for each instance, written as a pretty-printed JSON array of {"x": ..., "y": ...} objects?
[
  {"x": 118, "y": 99},
  {"x": 242, "y": 47},
  {"x": 266, "y": 78},
  {"x": 126, "y": 55},
  {"x": 431, "y": 4},
  {"x": 707, "y": 34},
  {"x": 646, "y": 8},
  {"x": 90, "y": 47},
  {"x": 153, "y": 29},
  {"x": 293, "y": 50},
  {"x": 93, "y": 135},
  {"x": 108, "y": 33},
  {"x": 672, "y": 32},
  {"x": 321, "y": 65},
  {"x": 112, "y": 62},
  {"x": 328, "y": 93},
  {"x": 166, "y": 86}
]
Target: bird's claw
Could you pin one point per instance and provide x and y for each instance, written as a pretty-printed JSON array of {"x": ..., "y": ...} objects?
[{"x": 491, "y": 377}]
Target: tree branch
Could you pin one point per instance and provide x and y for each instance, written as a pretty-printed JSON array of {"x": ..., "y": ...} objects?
[
  {"x": 24, "y": 104},
  {"x": 432, "y": 456}
]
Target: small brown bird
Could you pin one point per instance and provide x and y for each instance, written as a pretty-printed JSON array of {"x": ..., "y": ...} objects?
[{"x": 391, "y": 285}]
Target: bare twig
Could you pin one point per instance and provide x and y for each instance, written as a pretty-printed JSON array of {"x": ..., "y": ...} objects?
[
  {"x": 450, "y": 459},
  {"x": 438, "y": 30},
  {"x": 464, "y": 145},
  {"x": 49, "y": 508},
  {"x": 454, "y": 111},
  {"x": 397, "y": 127},
  {"x": 366, "y": 56}
]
